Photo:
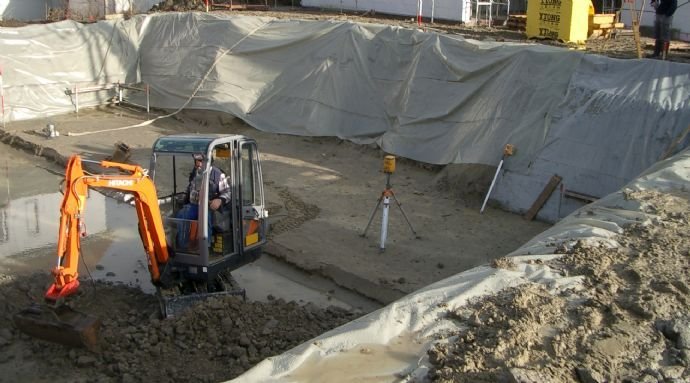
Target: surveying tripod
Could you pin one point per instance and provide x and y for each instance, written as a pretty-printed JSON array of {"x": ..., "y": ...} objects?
[{"x": 385, "y": 197}]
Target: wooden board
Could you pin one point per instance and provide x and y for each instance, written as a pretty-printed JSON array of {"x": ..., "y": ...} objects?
[
  {"x": 541, "y": 200},
  {"x": 604, "y": 18}
]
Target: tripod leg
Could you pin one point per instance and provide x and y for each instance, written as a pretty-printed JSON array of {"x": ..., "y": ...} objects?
[
  {"x": 405, "y": 215},
  {"x": 371, "y": 217}
]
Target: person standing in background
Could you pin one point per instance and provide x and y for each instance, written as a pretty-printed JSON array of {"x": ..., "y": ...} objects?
[{"x": 662, "y": 26}]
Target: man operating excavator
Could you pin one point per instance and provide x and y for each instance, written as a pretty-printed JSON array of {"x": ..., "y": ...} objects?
[{"x": 218, "y": 191}]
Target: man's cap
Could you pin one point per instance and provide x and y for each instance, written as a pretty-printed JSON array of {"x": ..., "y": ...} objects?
[{"x": 198, "y": 157}]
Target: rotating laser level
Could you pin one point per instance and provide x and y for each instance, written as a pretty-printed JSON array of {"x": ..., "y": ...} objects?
[{"x": 386, "y": 195}]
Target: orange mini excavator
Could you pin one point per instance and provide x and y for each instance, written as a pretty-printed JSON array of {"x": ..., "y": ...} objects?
[{"x": 189, "y": 258}]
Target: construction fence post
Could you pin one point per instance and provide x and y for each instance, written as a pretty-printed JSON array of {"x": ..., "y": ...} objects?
[
  {"x": 433, "y": 10},
  {"x": 420, "y": 6}
]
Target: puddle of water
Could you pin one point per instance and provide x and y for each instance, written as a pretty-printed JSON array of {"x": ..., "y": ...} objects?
[
  {"x": 112, "y": 250},
  {"x": 364, "y": 363},
  {"x": 268, "y": 276}
]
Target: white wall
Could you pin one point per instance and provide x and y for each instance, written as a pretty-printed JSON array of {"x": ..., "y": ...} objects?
[
  {"x": 443, "y": 9},
  {"x": 35, "y": 10},
  {"x": 25, "y": 10},
  {"x": 95, "y": 8}
]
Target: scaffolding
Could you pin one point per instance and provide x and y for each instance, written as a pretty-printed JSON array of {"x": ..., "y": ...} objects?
[
  {"x": 238, "y": 5},
  {"x": 117, "y": 99},
  {"x": 486, "y": 11}
]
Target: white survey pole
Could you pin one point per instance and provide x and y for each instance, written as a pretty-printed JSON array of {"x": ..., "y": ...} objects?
[
  {"x": 500, "y": 164},
  {"x": 433, "y": 10},
  {"x": 508, "y": 151},
  {"x": 384, "y": 222}
]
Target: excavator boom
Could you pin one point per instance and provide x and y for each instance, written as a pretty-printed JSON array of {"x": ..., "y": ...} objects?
[
  {"x": 77, "y": 183},
  {"x": 60, "y": 323}
]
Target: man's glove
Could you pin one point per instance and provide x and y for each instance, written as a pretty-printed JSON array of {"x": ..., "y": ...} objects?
[{"x": 215, "y": 203}]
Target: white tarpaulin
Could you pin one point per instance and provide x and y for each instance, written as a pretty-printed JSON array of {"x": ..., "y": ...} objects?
[{"x": 596, "y": 121}]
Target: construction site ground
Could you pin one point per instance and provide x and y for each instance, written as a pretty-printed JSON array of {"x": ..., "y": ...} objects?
[{"x": 320, "y": 192}]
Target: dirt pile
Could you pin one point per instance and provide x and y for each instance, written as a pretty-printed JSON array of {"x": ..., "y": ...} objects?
[
  {"x": 630, "y": 322},
  {"x": 179, "y": 6},
  {"x": 217, "y": 340}
]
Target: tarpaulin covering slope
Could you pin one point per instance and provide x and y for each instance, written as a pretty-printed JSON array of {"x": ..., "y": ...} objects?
[{"x": 434, "y": 98}]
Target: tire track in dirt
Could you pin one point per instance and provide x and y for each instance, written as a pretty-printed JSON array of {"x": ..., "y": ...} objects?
[{"x": 295, "y": 212}]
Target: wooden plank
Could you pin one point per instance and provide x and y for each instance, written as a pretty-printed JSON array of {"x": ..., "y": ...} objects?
[
  {"x": 603, "y": 18},
  {"x": 671, "y": 148},
  {"x": 579, "y": 196},
  {"x": 541, "y": 200}
]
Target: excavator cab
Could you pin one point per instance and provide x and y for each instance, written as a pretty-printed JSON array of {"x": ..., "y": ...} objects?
[{"x": 213, "y": 241}]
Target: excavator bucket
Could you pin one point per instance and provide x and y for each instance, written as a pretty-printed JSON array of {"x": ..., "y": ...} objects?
[{"x": 60, "y": 324}]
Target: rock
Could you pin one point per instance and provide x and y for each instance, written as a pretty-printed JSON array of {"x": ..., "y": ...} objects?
[
  {"x": 238, "y": 352},
  {"x": 244, "y": 340},
  {"x": 86, "y": 361},
  {"x": 6, "y": 334},
  {"x": 5, "y": 357},
  {"x": 252, "y": 351},
  {"x": 227, "y": 324},
  {"x": 586, "y": 375},
  {"x": 112, "y": 370},
  {"x": 244, "y": 362},
  {"x": 677, "y": 331},
  {"x": 672, "y": 372},
  {"x": 128, "y": 378},
  {"x": 523, "y": 375}
]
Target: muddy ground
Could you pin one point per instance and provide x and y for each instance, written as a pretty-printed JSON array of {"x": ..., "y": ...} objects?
[{"x": 216, "y": 341}]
